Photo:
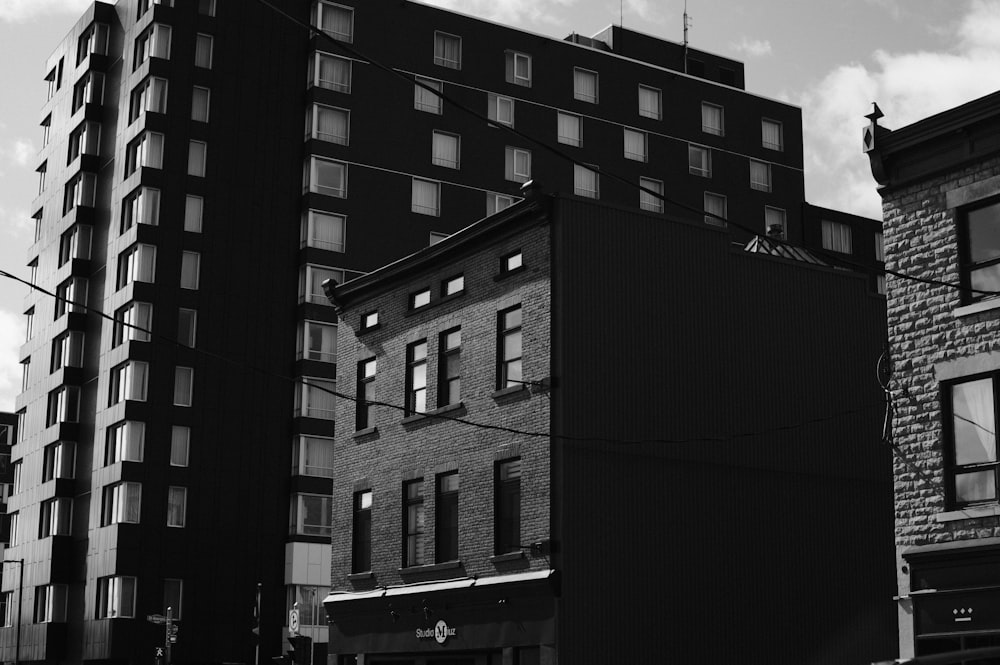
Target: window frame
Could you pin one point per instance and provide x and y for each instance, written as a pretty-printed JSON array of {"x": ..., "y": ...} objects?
[
  {"x": 446, "y": 142},
  {"x": 365, "y": 393},
  {"x": 713, "y": 221},
  {"x": 512, "y": 58},
  {"x": 952, "y": 467},
  {"x": 419, "y": 186},
  {"x": 416, "y": 378},
  {"x": 966, "y": 265},
  {"x": 580, "y": 95},
  {"x": 421, "y": 94},
  {"x": 446, "y": 517},
  {"x": 440, "y": 55},
  {"x": 581, "y": 174},
  {"x": 500, "y": 109},
  {"x": 449, "y": 390},
  {"x": 780, "y": 129},
  {"x": 643, "y": 137},
  {"x": 361, "y": 532},
  {"x": 507, "y": 515},
  {"x": 704, "y": 167},
  {"x": 511, "y": 173},
  {"x": 506, "y": 362},
  {"x": 414, "y": 523},
  {"x": 565, "y": 137},
  {"x": 708, "y": 111},
  {"x": 318, "y": 11},
  {"x": 837, "y": 236},
  {"x": 756, "y": 183},
  {"x": 648, "y": 202},
  {"x": 657, "y": 94}
]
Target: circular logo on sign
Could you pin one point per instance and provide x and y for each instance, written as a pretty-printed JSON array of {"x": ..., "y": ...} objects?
[{"x": 441, "y": 632}]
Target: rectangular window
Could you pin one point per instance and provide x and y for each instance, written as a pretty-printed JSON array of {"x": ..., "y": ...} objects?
[
  {"x": 46, "y": 127},
  {"x": 6, "y": 599},
  {"x": 774, "y": 222},
  {"x": 318, "y": 341},
  {"x": 369, "y": 320},
  {"x": 325, "y": 176},
  {"x": 970, "y": 419},
  {"x": 63, "y": 406},
  {"x": 447, "y": 50},
  {"x": 176, "y": 506},
  {"x": 413, "y": 523},
  {"x": 837, "y": 237},
  {"x": 311, "y": 515},
  {"x": 154, "y": 42},
  {"x": 497, "y": 202},
  {"x": 71, "y": 296},
  {"x": 313, "y": 456},
  {"x": 518, "y": 68},
  {"x": 194, "y": 212},
  {"x": 361, "y": 535},
  {"x": 511, "y": 262},
  {"x": 205, "y": 8},
  {"x": 327, "y": 123},
  {"x": 55, "y": 517},
  {"x": 115, "y": 597},
  {"x": 42, "y": 171},
  {"x": 426, "y": 100},
  {"x": 126, "y": 442},
  {"x": 335, "y": 20},
  {"x": 203, "y": 51},
  {"x": 58, "y": 461},
  {"x": 173, "y": 596},
  {"x": 200, "y": 103},
  {"x": 585, "y": 85},
  {"x": 67, "y": 350},
  {"x": 979, "y": 252},
  {"x": 453, "y": 285},
  {"x": 137, "y": 264},
  {"x": 190, "y": 270},
  {"x": 650, "y": 102},
  {"x": 88, "y": 90},
  {"x": 760, "y": 176},
  {"x": 647, "y": 200},
  {"x": 80, "y": 191},
  {"x": 141, "y": 206},
  {"x": 187, "y": 326},
  {"x": 146, "y": 151},
  {"x": 509, "y": 347},
  {"x": 517, "y": 164},
  {"x": 450, "y": 367},
  {"x": 150, "y": 96},
  {"x": 416, "y": 377},
  {"x": 365, "y": 394},
  {"x": 197, "y": 155},
  {"x": 586, "y": 182},
  {"x": 426, "y": 197},
  {"x": 122, "y": 503},
  {"x": 331, "y": 72},
  {"x": 699, "y": 161},
  {"x": 445, "y": 150},
  {"x": 183, "y": 386},
  {"x": 507, "y": 507},
  {"x": 180, "y": 445},
  {"x": 309, "y": 600},
  {"x": 712, "y": 121},
  {"x": 311, "y": 280},
  {"x": 14, "y": 536},
  {"x": 133, "y": 322},
  {"x": 716, "y": 209},
  {"x": 74, "y": 244},
  {"x": 771, "y": 134},
  {"x": 315, "y": 398},
  {"x": 324, "y": 230},
  {"x": 128, "y": 382},
  {"x": 880, "y": 245},
  {"x": 500, "y": 109},
  {"x": 85, "y": 140},
  {"x": 569, "y": 129},
  {"x": 50, "y": 603},
  {"x": 635, "y": 145},
  {"x": 446, "y": 518}
]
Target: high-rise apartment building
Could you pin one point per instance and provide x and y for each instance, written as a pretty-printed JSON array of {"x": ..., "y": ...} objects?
[{"x": 206, "y": 165}]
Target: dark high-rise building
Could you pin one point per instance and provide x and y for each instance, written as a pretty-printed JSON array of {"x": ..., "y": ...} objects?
[{"x": 206, "y": 165}]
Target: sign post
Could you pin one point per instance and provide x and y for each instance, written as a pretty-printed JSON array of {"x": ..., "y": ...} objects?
[
  {"x": 170, "y": 635},
  {"x": 293, "y": 621}
]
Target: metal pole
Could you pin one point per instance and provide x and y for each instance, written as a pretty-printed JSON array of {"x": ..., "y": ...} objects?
[
  {"x": 169, "y": 631},
  {"x": 256, "y": 649}
]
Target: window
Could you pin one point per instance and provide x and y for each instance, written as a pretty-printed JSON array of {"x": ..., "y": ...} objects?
[
  {"x": 420, "y": 299},
  {"x": 450, "y": 367},
  {"x": 80, "y": 191},
  {"x": 413, "y": 523},
  {"x": 194, "y": 211},
  {"x": 67, "y": 350},
  {"x": 416, "y": 377},
  {"x": 712, "y": 121},
  {"x": 970, "y": 432},
  {"x": 715, "y": 209},
  {"x": 142, "y": 206},
  {"x": 313, "y": 456},
  {"x": 197, "y": 152},
  {"x": 42, "y": 171},
  {"x": 125, "y": 442},
  {"x": 154, "y": 42},
  {"x": 116, "y": 597},
  {"x": 369, "y": 320},
  {"x": 133, "y": 322},
  {"x": 497, "y": 202},
  {"x": 330, "y": 72},
  {"x": 145, "y": 151},
  {"x": 880, "y": 284},
  {"x": 173, "y": 595},
  {"x": 137, "y": 264},
  {"x": 37, "y": 218},
  {"x": 14, "y": 535},
  {"x": 507, "y": 507},
  {"x": 46, "y": 127},
  {"x": 453, "y": 285},
  {"x": 836, "y": 236},
  {"x": 74, "y": 244},
  {"x": 58, "y": 461},
  {"x": 446, "y": 517},
  {"x": 314, "y": 398},
  {"x": 190, "y": 270},
  {"x": 50, "y": 603},
  {"x": 335, "y": 20},
  {"x": 586, "y": 182},
  {"x": 509, "y": 347},
  {"x": 128, "y": 382},
  {"x": 427, "y": 100},
  {"x": 55, "y": 517},
  {"x": 648, "y": 201},
  {"x": 426, "y": 197},
  {"x": 760, "y": 176},
  {"x": 318, "y": 341},
  {"x": 183, "y": 386},
  {"x": 774, "y": 222},
  {"x": 122, "y": 504},
  {"x": 63, "y": 406},
  {"x": 203, "y": 51},
  {"x": 518, "y": 68},
  {"x": 25, "y": 376},
  {"x": 309, "y": 600},
  {"x": 311, "y": 515},
  {"x": 6, "y": 599},
  {"x": 325, "y": 176},
  {"x": 176, "y": 506},
  {"x": 879, "y": 246},
  {"x": 445, "y": 150},
  {"x": 434, "y": 237},
  {"x": 180, "y": 445},
  {"x": 206, "y": 8},
  {"x": 699, "y": 161},
  {"x": 71, "y": 296},
  {"x": 84, "y": 140},
  {"x": 311, "y": 280},
  {"x": 324, "y": 230},
  {"x": 500, "y": 109},
  {"x": 650, "y": 102},
  {"x": 327, "y": 123},
  {"x": 517, "y": 164},
  {"x": 200, "y": 98},
  {"x": 144, "y": 5},
  {"x": 365, "y": 394},
  {"x": 150, "y": 96},
  {"x": 50, "y": 80},
  {"x": 447, "y": 50},
  {"x": 88, "y": 90},
  {"x": 585, "y": 85},
  {"x": 635, "y": 145},
  {"x": 511, "y": 262},
  {"x": 93, "y": 40},
  {"x": 979, "y": 262},
  {"x": 771, "y": 134},
  {"x": 570, "y": 129},
  {"x": 361, "y": 535}
]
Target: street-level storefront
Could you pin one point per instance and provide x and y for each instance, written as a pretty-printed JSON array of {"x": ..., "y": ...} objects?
[{"x": 497, "y": 620}]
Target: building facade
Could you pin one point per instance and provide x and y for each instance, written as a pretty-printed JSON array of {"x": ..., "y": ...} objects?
[
  {"x": 570, "y": 446},
  {"x": 939, "y": 179}
]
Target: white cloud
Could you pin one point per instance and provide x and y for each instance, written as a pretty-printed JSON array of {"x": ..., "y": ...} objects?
[
  {"x": 519, "y": 12},
  {"x": 907, "y": 87},
  {"x": 752, "y": 47},
  {"x": 16, "y": 222},
  {"x": 11, "y": 336},
  {"x": 19, "y": 153},
  {"x": 20, "y": 11}
]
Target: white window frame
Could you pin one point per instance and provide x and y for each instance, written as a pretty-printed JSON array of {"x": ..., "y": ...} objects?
[
  {"x": 654, "y": 112},
  {"x": 446, "y": 150},
  {"x": 121, "y": 503},
  {"x": 116, "y": 597},
  {"x": 647, "y": 201},
  {"x": 146, "y": 151},
  {"x": 201, "y": 103},
  {"x": 327, "y": 351},
  {"x": 632, "y": 139},
  {"x": 298, "y": 524},
  {"x": 513, "y": 58},
  {"x": 578, "y": 93},
  {"x": 425, "y": 100},
  {"x": 313, "y": 130},
  {"x": 150, "y": 96},
  {"x": 190, "y": 270},
  {"x": 197, "y": 158},
  {"x": 141, "y": 206},
  {"x": 712, "y": 196},
  {"x": 180, "y": 446},
  {"x": 500, "y": 109},
  {"x": 311, "y": 226},
  {"x": 129, "y": 382},
  {"x": 176, "y": 507},
  {"x": 441, "y": 56},
  {"x": 512, "y": 171},
  {"x": 321, "y": 7},
  {"x": 301, "y": 459},
  {"x": 586, "y": 182},
  {"x": 709, "y": 114},
  {"x": 183, "y": 386},
  {"x": 760, "y": 175},
  {"x": 194, "y": 213},
  {"x": 311, "y": 278},
  {"x": 312, "y": 178},
  {"x": 425, "y": 197},
  {"x": 837, "y": 237},
  {"x": 704, "y": 167},
  {"x": 565, "y": 134},
  {"x": 496, "y": 202},
  {"x": 204, "y": 45},
  {"x": 316, "y": 69},
  {"x": 125, "y": 442},
  {"x": 133, "y": 323},
  {"x": 777, "y": 127},
  {"x": 50, "y": 603},
  {"x": 306, "y": 406}
]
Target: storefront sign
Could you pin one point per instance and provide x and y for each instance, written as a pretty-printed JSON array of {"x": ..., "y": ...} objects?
[{"x": 440, "y": 632}]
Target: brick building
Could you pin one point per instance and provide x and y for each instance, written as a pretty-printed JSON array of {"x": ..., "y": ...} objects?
[
  {"x": 589, "y": 447},
  {"x": 939, "y": 179}
]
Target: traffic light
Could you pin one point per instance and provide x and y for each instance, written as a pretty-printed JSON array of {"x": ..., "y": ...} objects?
[{"x": 301, "y": 649}]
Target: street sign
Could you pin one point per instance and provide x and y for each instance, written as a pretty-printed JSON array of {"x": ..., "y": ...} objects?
[
  {"x": 159, "y": 652},
  {"x": 156, "y": 618},
  {"x": 293, "y": 622}
]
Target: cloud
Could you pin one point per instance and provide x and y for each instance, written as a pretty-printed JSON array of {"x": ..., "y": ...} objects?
[
  {"x": 515, "y": 12},
  {"x": 16, "y": 222},
  {"x": 19, "y": 153},
  {"x": 21, "y": 11},
  {"x": 11, "y": 337},
  {"x": 752, "y": 47},
  {"x": 907, "y": 87}
]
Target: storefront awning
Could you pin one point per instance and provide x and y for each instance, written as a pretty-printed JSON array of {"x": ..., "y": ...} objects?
[{"x": 444, "y": 585}]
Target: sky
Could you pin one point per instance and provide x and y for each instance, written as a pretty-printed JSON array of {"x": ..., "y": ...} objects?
[{"x": 832, "y": 58}]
